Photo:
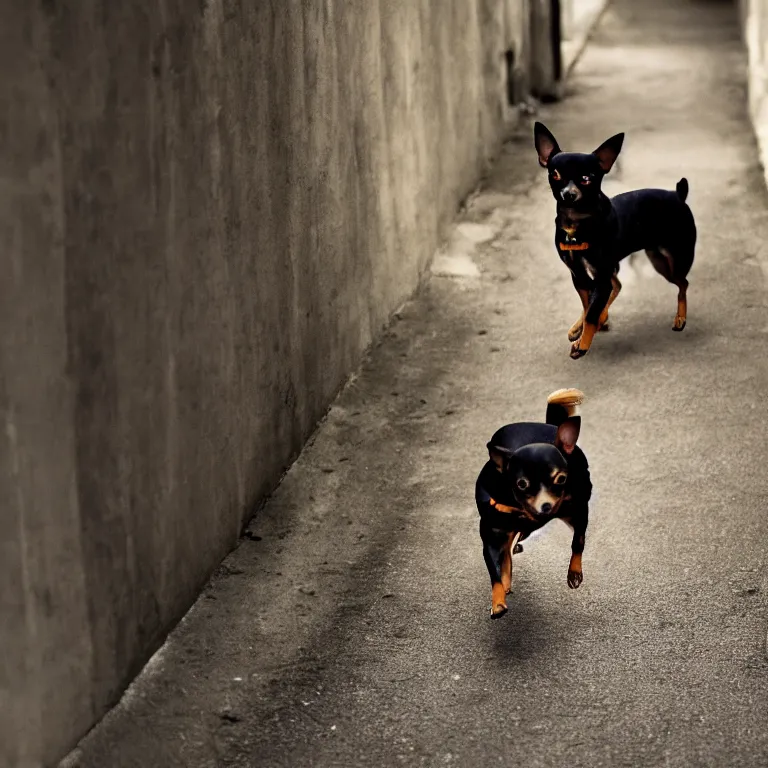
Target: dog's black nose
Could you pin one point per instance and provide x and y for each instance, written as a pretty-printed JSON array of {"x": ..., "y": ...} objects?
[
  {"x": 569, "y": 197},
  {"x": 546, "y": 508}
]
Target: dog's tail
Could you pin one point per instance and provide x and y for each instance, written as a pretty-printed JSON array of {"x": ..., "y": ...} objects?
[
  {"x": 563, "y": 404},
  {"x": 682, "y": 189}
]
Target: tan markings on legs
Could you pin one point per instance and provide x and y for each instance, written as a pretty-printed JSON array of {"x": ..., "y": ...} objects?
[
  {"x": 682, "y": 305},
  {"x": 575, "y": 574},
  {"x": 575, "y": 330},
  {"x": 682, "y": 291},
  {"x": 506, "y": 570},
  {"x": 581, "y": 347},
  {"x": 498, "y": 603},
  {"x": 506, "y": 562},
  {"x": 603, "y": 322},
  {"x": 664, "y": 264}
]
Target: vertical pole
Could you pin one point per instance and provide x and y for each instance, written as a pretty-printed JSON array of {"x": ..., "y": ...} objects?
[
  {"x": 546, "y": 59},
  {"x": 557, "y": 36}
]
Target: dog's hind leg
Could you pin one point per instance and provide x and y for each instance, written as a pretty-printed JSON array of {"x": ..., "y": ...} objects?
[
  {"x": 680, "y": 263},
  {"x": 667, "y": 266},
  {"x": 682, "y": 304}
]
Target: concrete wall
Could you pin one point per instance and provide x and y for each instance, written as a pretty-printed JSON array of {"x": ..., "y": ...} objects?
[
  {"x": 578, "y": 19},
  {"x": 207, "y": 211},
  {"x": 754, "y": 17}
]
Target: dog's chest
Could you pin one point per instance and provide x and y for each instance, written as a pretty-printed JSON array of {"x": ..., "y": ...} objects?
[
  {"x": 579, "y": 241},
  {"x": 588, "y": 267},
  {"x": 579, "y": 260},
  {"x": 575, "y": 236}
]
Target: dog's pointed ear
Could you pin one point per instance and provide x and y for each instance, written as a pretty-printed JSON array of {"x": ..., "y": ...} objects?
[
  {"x": 568, "y": 434},
  {"x": 608, "y": 151},
  {"x": 546, "y": 144},
  {"x": 500, "y": 456}
]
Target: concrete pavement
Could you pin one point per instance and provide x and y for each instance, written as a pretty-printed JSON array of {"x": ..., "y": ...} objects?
[{"x": 353, "y": 628}]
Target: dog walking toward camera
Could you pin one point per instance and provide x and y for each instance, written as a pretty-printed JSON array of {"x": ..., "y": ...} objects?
[
  {"x": 536, "y": 473},
  {"x": 595, "y": 232}
]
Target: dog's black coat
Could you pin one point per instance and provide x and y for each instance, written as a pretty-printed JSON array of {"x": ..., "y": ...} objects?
[
  {"x": 593, "y": 232},
  {"x": 492, "y": 484},
  {"x": 537, "y": 443},
  {"x": 630, "y": 222}
]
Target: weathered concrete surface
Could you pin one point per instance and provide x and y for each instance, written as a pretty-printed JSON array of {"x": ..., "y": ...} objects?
[
  {"x": 578, "y": 20},
  {"x": 754, "y": 17},
  {"x": 46, "y": 652},
  {"x": 208, "y": 212},
  {"x": 546, "y": 75},
  {"x": 356, "y": 630}
]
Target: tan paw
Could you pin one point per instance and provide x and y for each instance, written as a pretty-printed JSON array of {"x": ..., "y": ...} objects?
[
  {"x": 574, "y": 332},
  {"x": 575, "y": 578},
  {"x": 577, "y": 351},
  {"x": 498, "y": 603}
]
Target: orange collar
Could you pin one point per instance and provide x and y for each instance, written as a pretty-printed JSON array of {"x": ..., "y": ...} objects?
[
  {"x": 503, "y": 507},
  {"x": 574, "y": 246}
]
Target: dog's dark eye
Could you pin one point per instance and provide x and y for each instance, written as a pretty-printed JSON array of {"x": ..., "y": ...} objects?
[
  {"x": 586, "y": 179},
  {"x": 560, "y": 478},
  {"x": 522, "y": 483},
  {"x": 556, "y": 175}
]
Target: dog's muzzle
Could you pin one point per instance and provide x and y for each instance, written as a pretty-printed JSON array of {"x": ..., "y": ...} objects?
[
  {"x": 570, "y": 193},
  {"x": 544, "y": 503}
]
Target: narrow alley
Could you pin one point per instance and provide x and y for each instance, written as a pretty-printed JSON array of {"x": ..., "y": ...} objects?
[{"x": 352, "y": 626}]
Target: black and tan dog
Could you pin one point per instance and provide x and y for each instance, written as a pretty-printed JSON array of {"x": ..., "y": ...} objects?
[
  {"x": 595, "y": 232},
  {"x": 535, "y": 473}
]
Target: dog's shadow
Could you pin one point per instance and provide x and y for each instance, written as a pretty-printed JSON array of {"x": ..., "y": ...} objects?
[
  {"x": 527, "y": 631},
  {"x": 641, "y": 336}
]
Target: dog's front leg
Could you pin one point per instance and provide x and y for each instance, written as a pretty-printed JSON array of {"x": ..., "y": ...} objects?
[
  {"x": 583, "y": 286},
  {"x": 510, "y": 548},
  {"x": 579, "y": 524},
  {"x": 598, "y": 302},
  {"x": 575, "y": 572},
  {"x": 602, "y": 324},
  {"x": 498, "y": 561}
]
